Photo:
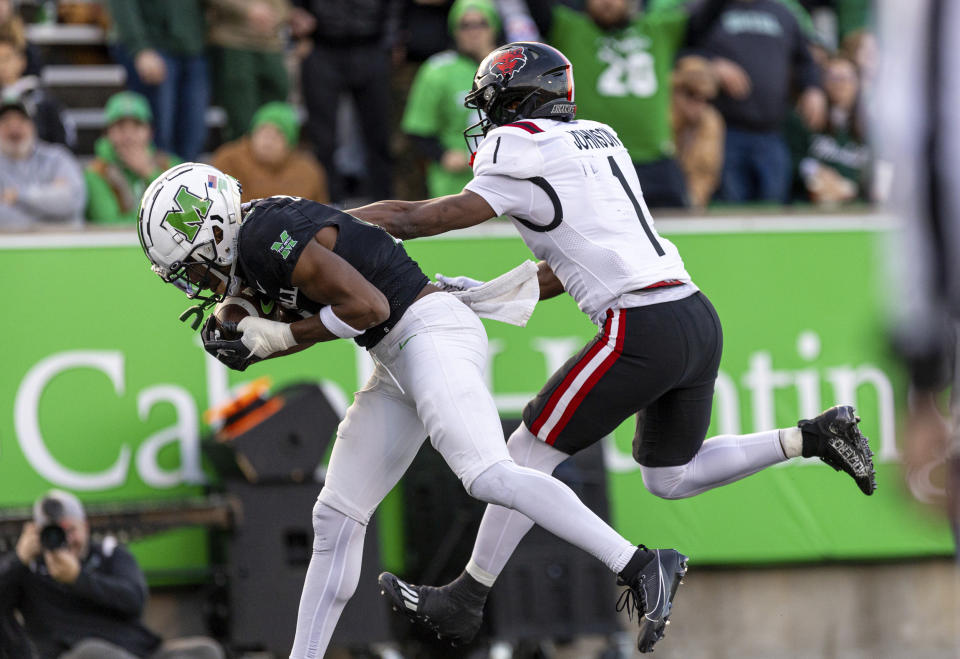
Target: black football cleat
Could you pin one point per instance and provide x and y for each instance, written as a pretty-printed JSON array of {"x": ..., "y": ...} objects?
[
  {"x": 451, "y": 618},
  {"x": 650, "y": 592},
  {"x": 835, "y": 438}
]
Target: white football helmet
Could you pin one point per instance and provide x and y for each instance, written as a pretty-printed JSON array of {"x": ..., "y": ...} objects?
[{"x": 191, "y": 215}]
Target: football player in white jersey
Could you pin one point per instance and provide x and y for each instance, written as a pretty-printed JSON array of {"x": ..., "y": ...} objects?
[{"x": 570, "y": 189}]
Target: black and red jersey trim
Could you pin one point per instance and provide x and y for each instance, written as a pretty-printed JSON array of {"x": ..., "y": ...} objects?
[{"x": 528, "y": 126}]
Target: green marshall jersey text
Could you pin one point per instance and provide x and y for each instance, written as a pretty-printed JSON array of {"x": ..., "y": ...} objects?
[
  {"x": 435, "y": 109},
  {"x": 622, "y": 76}
]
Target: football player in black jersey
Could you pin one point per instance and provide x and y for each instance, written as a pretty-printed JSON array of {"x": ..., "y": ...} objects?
[{"x": 353, "y": 280}]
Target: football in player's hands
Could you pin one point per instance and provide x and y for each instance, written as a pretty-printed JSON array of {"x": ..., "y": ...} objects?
[{"x": 235, "y": 308}]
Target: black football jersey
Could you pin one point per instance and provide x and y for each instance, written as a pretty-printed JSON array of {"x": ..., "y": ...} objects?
[{"x": 275, "y": 231}]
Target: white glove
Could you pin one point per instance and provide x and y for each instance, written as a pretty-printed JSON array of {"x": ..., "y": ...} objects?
[
  {"x": 457, "y": 283},
  {"x": 264, "y": 337}
]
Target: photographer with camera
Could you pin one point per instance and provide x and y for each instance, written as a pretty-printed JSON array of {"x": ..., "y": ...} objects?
[{"x": 81, "y": 599}]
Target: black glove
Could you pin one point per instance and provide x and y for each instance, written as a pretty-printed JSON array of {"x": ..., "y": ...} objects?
[{"x": 230, "y": 352}]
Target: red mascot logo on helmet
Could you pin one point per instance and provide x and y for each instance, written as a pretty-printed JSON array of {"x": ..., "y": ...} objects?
[{"x": 507, "y": 63}]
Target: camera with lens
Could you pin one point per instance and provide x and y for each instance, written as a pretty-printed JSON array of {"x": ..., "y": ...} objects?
[{"x": 52, "y": 535}]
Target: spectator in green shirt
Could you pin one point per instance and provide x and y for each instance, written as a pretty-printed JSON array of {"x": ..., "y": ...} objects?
[
  {"x": 435, "y": 117},
  {"x": 126, "y": 161},
  {"x": 623, "y": 60}
]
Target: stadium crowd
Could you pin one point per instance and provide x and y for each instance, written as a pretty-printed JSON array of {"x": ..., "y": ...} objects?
[{"x": 718, "y": 101}]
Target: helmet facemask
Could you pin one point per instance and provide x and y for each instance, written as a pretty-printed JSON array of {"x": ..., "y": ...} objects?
[
  {"x": 478, "y": 100},
  {"x": 197, "y": 274}
]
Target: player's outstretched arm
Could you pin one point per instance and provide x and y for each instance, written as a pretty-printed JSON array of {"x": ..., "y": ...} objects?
[
  {"x": 325, "y": 277},
  {"x": 413, "y": 219}
]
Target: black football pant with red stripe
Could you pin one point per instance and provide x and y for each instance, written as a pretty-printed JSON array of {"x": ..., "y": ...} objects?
[{"x": 659, "y": 362}]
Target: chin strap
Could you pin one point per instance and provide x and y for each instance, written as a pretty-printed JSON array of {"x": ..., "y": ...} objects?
[{"x": 234, "y": 285}]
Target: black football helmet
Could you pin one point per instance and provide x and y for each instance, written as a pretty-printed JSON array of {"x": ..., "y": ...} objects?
[{"x": 522, "y": 80}]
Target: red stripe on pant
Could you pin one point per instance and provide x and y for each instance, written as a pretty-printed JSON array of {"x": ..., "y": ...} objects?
[
  {"x": 591, "y": 382},
  {"x": 571, "y": 376}
]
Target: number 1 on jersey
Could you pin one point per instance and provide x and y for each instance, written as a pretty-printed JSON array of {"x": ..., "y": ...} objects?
[{"x": 636, "y": 205}]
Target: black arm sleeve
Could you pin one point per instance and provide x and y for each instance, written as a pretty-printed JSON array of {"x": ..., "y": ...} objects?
[
  {"x": 426, "y": 147},
  {"x": 702, "y": 15},
  {"x": 119, "y": 586},
  {"x": 11, "y": 578}
]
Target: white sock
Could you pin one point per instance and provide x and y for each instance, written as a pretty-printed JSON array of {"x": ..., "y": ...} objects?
[
  {"x": 549, "y": 503},
  {"x": 721, "y": 460},
  {"x": 791, "y": 440},
  {"x": 502, "y": 529}
]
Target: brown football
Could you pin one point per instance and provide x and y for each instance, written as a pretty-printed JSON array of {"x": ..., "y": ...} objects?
[{"x": 235, "y": 308}]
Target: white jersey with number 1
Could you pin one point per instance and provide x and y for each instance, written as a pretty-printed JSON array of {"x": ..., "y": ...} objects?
[{"x": 571, "y": 190}]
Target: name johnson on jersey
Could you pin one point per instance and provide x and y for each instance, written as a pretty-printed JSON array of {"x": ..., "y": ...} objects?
[
  {"x": 572, "y": 192},
  {"x": 594, "y": 138}
]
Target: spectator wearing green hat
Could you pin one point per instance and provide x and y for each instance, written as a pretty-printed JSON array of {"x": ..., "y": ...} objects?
[
  {"x": 435, "y": 118},
  {"x": 267, "y": 160},
  {"x": 126, "y": 161}
]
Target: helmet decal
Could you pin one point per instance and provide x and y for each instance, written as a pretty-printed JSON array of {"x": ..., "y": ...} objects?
[
  {"x": 189, "y": 214},
  {"x": 508, "y": 62},
  {"x": 521, "y": 80}
]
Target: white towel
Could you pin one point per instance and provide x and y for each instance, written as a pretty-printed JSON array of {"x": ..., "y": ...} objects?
[{"x": 510, "y": 298}]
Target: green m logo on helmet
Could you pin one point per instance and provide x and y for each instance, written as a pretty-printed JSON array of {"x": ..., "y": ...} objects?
[{"x": 189, "y": 214}]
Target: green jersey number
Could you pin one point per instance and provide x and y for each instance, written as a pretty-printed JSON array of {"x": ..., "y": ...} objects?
[{"x": 629, "y": 74}]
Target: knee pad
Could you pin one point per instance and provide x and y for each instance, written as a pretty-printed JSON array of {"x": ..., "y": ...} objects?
[
  {"x": 528, "y": 451},
  {"x": 664, "y": 482},
  {"x": 496, "y": 485},
  {"x": 338, "y": 541}
]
